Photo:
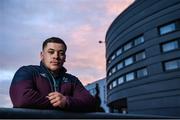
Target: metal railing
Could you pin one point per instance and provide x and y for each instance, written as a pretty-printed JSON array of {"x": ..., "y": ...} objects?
[{"x": 22, "y": 113}]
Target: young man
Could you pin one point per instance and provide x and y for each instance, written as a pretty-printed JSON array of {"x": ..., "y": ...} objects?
[{"x": 48, "y": 86}]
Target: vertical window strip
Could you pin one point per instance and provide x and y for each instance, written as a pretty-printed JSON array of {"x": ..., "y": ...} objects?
[{"x": 126, "y": 47}]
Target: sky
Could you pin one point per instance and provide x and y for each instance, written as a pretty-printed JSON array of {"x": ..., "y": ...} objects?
[{"x": 25, "y": 24}]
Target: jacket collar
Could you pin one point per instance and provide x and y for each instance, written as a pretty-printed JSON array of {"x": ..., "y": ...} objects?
[{"x": 61, "y": 72}]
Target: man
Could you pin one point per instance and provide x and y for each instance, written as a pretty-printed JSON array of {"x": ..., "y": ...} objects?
[{"x": 48, "y": 86}]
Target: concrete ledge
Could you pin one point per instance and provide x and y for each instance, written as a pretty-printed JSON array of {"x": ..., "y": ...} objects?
[{"x": 21, "y": 113}]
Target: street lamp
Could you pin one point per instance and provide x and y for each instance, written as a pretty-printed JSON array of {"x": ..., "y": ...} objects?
[{"x": 101, "y": 41}]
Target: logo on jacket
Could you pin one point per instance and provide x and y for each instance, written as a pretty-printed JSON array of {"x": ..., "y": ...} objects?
[
  {"x": 65, "y": 79},
  {"x": 43, "y": 74}
]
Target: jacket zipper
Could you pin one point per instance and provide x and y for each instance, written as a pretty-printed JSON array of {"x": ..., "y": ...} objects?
[{"x": 54, "y": 86}]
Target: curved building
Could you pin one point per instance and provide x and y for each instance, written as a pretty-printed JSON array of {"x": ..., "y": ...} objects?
[{"x": 143, "y": 59}]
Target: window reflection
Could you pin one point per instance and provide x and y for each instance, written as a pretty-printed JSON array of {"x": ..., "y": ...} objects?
[
  {"x": 127, "y": 46},
  {"x": 139, "y": 40},
  {"x": 130, "y": 76},
  {"x": 128, "y": 61},
  {"x": 140, "y": 56},
  {"x": 170, "y": 46},
  {"x": 120, "y": 80},
  {"x": 171, "y": 65},
  {"x": 120, "y": 66},
  {"x": 167, "y": 28},
  {"x": 142, "y": 73}
]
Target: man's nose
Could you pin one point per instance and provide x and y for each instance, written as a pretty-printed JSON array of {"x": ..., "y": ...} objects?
[{"x": 56, "y": 55}]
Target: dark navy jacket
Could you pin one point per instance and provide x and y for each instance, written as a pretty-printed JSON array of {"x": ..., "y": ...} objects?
[{"x": 31, "y": 84}]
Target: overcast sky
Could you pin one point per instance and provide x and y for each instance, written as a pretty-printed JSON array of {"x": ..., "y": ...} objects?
[{"x": 25, "y": 24}]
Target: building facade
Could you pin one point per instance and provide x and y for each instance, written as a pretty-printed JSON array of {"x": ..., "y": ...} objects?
[
  {"x": 102, "y": 92},
  {"x": 143, "y": 59}
]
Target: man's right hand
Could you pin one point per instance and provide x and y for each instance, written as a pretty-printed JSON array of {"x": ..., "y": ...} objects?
[{"x": 57, "y": 99}]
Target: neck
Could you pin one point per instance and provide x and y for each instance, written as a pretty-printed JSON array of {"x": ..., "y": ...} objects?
[{"x": 55, "y": 73}]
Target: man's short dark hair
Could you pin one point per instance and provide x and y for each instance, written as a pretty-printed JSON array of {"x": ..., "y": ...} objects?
[{"x": 53, "y": 40}]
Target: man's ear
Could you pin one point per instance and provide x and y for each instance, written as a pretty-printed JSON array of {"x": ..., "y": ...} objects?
[{"x": 41, "y": 55}]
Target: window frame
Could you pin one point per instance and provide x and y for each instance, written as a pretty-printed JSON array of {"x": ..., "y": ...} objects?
[
  {"x": 127, "y": 80},
  {"x": 143, "y": 56},
  {"x": 127, "y": 59},
  {"x": 119, "y": 83},
  {"x": 172, "y": 69},
  {"x": 166, "y": 25},
  {"x": 140, "y": 70},
  {"x": 178, "y": 45},
  {"x": 127, "y": 44},
  {"x": 136, "y": 40}
]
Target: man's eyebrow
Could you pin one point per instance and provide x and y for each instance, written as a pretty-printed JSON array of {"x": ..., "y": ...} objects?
[{"x": 50, "y": 49}]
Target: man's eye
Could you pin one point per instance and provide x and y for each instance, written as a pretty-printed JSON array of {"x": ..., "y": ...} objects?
[
  {"x": 61, "y": 54},
  {"x": 51, "y": 52}
]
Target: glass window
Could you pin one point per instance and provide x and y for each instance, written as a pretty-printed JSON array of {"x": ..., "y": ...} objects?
[
  {"x": 109, "y": 74},
  {"x": 130, "y": 76},
  {"x": 138, "y": 40},
  {"x": 167, "y": 28},
  {"x": 142, "y": 72},
  {"x": 120, "y": 66},
  {"x": 110, "y": 86},
  {"x": 114, "y": 84},
  {"x": 113, "y": 57},
  {"x": 170, "y": 46},
  {"x": 128, "y": 61},
  {"x": 171, "y": 65},
  {"x": 140, "y": 56},
  {"x": 119, "y": 51},
  {"x": 113, "y": 69},
  {"x": 120, "y": 80},
  {"x": 127, "y": 46}
]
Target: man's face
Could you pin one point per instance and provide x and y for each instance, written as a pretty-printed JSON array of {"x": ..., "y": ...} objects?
[{"x": 53, "y": 56}]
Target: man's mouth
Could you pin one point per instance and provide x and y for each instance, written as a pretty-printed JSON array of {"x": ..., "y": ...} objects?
[{"x": 55, "y": 63}]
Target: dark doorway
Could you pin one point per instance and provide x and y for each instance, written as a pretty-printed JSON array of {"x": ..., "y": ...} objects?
[{"x": 119, "y": 106}]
